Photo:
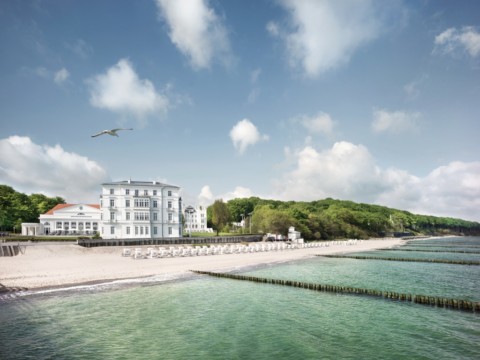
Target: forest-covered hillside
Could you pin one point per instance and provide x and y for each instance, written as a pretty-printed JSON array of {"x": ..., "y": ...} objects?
[{"x": 329, "y": 218}]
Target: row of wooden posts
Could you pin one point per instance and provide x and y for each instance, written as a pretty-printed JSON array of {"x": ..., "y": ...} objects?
[
  {"x": 457, "y": 304},
  {"x": 439, "y": 261},
  {"x": 434, "y": 251},
  {"x": 447, "y": 246}
]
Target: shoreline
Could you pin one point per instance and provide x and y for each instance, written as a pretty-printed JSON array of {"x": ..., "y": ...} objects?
[{"x": 45, "y": 268}]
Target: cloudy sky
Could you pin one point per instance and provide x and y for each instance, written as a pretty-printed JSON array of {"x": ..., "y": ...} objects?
[{"x": 370, "y": 101}]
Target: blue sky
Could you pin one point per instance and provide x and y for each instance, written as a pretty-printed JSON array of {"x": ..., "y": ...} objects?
[{"x": 370, "y": 101}]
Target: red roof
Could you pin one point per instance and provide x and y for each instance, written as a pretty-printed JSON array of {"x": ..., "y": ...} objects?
[{"x": 62, "y": 206}]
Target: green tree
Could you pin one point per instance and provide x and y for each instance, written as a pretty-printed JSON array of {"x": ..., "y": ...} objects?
[
  {"x": 220, "y": 215},
  {"x": 16, "y": 207}
]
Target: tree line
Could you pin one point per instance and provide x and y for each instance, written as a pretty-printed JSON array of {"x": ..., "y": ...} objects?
[
  {"x": 330, "y": 219},
  {"x": 316, "y": 220},
  {"x": 16, "y": 207}
]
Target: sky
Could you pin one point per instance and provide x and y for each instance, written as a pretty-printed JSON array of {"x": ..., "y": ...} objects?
[{"x": 370, "y": 101}]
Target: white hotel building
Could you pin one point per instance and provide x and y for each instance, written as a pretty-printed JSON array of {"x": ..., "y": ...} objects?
[
  {"x": 196, "y": 219},
  {"x": 140, "y": 209}
]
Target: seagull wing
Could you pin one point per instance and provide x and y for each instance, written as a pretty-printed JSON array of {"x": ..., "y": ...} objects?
[
  {"x": 114, "y": 131},
  {"x": 100, "y": 133}
]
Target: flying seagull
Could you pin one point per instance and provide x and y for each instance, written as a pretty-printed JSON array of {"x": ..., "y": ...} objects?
[{"x": 112, "y": 132}]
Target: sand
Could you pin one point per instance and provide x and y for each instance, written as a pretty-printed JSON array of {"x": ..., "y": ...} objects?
[{"x": 57, "y": 265}]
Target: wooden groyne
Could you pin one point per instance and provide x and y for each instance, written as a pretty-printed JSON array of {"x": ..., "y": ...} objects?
[
  {"x": 439, "y": 261},
  {"x": 444, "y": 246},
  {"x": 457, "y": 304},
  {"x": 7, "y": 249},
  {"x": 433, "y": 251}
]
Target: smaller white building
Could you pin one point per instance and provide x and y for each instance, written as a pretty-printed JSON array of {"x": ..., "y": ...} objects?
[
  {"x": 70, "y": 219},
  {"x": 294, "y": 236},
  {"x": 196, "y": 219}
]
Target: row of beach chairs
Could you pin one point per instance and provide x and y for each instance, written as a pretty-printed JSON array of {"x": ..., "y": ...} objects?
[{"x": 183, "y": 251}]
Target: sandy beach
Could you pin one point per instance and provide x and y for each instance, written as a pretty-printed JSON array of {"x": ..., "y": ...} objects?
[{"x": 57, "y": 265}]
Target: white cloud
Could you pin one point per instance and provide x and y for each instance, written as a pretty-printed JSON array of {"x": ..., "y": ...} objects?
[
  {"x": 412, "y": 89},
  {"x": 255, "y": 75},
  {"x": 80, "y": 48},
  {"x": 61, "y": 76},
  {"x": 206, "y": 196},
  {"x": 346, "y": 171},
  {"x": 321, "y": 123},
  {"x": 239, "y": 192},
  {"x": 255, "y": 91},
  {"x": 324, "y": 34},
  {"x": 349, "y": 172},
  {"x": 395, "y": 122},
  {"x": 245, "y": 134},
  {"x": 196, "y": 31},
  {"x": 51, "y": 170},
  {"x": 452, "y": 40},
  {"x": 451, "y": 190},
  {"x": 253, "y": 95},
  {"x": 42, "y": 72},
  {"x": 122, "y": 91}
]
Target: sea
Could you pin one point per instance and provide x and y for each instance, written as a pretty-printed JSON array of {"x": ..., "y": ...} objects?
[{"x": 203, "y": 317}]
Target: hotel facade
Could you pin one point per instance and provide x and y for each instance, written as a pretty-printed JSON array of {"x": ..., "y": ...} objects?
[
  {"x": 140, "y": 209},
  {"x": 66, "y": 219}
]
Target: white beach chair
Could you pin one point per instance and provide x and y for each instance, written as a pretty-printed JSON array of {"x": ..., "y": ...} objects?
[
  {"x": 138, "y": 253},
  {"x": 152, "y": 254},
  {"x": 127, "y": 252}
]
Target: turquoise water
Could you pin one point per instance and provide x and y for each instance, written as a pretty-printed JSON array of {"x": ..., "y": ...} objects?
[{"x": 214, "y": 318}]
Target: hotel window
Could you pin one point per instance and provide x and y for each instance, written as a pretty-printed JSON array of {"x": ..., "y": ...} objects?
[
  {"x": 170, "y": 205},
  {"x": 112, "y": 202},
  {"x": 155, "y": 216},
  {"x": 154, "y": 192},
  {"x": 136, "y": 230},
  {"x": 141, "y": 216},
  {"x": 170, "y": 217},
  {"x": 74, "y": 225},
  {"x": 59, "y": 224},
  {"x": 111, "y": 192},
  {"x": 154, "y": 230},
  {"x": 136, "y": 192},
  {"x": 169, "y": 192},
  {"x": 112, "y": 230},
  {"x": 95, "y": 226},
  {"x": 155, "y": 203},
  {"x": 127, "y": 203},
  {"x": 87, "y": 225},
  {"x": 145, "y": 192},
  {"x": 142, "y": 203},
  {"x": 170, "y": 231},
  {"x": 127, "y": 191},
  {"x": 127, "y": 216},
  {"x": 112, "y": 215},
  {"x": 141, "y": 230},
  {"x": 127, "y": 230},
  {"x": 146, "y": 230}
]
